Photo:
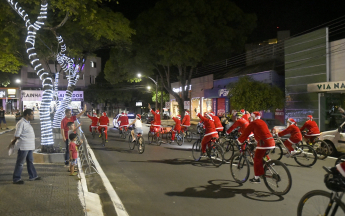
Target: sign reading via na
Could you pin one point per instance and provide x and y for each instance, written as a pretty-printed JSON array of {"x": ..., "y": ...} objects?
[{"x": 326, "y": 86}]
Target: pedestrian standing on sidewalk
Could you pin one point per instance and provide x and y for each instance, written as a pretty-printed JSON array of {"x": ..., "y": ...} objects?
[
  {"x": 65, "y": 129},
  {"x": 73, "y": 152},
  {"x": 2, "y": 117},
  {"x": 24, "y": 138}
]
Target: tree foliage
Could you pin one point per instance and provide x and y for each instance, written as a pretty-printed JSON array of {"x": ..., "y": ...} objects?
[
  {"x": 176, "y": 36},
  {"x": 166, "y": 96},
  {"x": 253, "y": 95},
  {"x": 4, "y": 80}
]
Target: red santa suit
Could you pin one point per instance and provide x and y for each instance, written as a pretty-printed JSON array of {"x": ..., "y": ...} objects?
[
  {"x": 177, "y": 127},
  {"x": 94, "y": 122},
  {"x": 341, "y": 168},
  {"x": 313, "y": 129},
  {"x": 209, "y": 133},
  {"x": 103, "y": 123},
  {"x": 124, "y": 121},
  {"x": 295, "y": 137},
  {"x": 246, "y": 116},
  {"x": 242, "y": 123},
  {"x": 156, "y": 123},
  {"x": 217, "y": 122},
  {"x": 265, "y": 142},
  {"x": 185, "y": 121}
]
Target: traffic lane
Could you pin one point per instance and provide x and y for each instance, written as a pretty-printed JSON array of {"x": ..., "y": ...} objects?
[{"x": 166, "y": 181}]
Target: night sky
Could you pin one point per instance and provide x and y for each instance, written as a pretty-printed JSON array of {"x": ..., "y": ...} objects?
[{"x": 294, "y": 15}]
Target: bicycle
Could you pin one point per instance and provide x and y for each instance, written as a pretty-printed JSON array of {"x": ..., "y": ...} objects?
[
  {"x": 93, "y": 131},
  {"x": 276, "y": 173},
  {"x": 187, "y": 134},
  {"x": 229, "y": 145},
  {"x": 124, "y": 132},
  {"x": 318, "y": 202},
  {"x": 139, "y": 141},
  {"x": 155, "y": 136},
  {"x": 213, "y": 150},
  {"x": 305, "y": 156},
  {"x": 321, "y": 148},
  {"x": 179, "y": 137},
  {"x": 103, "y": 136}
]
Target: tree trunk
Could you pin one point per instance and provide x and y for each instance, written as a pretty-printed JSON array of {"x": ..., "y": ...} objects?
[{"x": 47, "y": 82}]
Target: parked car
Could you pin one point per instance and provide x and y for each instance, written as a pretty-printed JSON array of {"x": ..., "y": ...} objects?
[
  {"x": 131, "y": 118},
  {"x": 335, "y": 138}
]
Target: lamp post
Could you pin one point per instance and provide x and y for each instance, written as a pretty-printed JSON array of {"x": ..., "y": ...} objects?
[{"x": 156, "y": 83}]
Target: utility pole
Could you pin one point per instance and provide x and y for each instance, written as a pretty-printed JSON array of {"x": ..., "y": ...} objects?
[{"x": 157, "y": 93}]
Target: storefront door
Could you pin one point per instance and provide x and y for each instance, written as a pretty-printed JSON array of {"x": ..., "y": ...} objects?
[{"x": 332, "y": 101}]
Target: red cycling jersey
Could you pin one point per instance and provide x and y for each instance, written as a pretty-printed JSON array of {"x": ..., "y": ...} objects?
[
  {"x": 313, "y": 129},
  {"x": 296, "y": 135},
  {"x": 94, "y": 120}
]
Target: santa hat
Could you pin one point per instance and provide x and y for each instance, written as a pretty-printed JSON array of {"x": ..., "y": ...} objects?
[
  {"x": 310, "y": 117},
  {"x": 256, "y": 115},
  {"x": 243, "y": 111},
  {"x": 104, "y": 114},
  {"x": 212, "y": 114},
  {"x": 139, "y": 116},
  {"x": 186, "y": 113},
  {"x": 208, "y": 115},
  {"x": 179, "y": 117},
  {"x": 291, "y": 121},
  {"x": 94, "y": 114},
  {"x": 157, "y": 111}
]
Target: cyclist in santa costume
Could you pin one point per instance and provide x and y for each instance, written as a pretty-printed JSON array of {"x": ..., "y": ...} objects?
[
  {"x": 177, "y": 127},
  {"x": 265, "y": 142},
  {"x": 295, "y": 137},
  {"x": 313, "y": 129}
]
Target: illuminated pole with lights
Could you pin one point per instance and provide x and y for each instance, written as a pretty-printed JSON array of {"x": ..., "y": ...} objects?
[
  {"x": 72, "y": 73},
  {"x": 47, "y": 81}
]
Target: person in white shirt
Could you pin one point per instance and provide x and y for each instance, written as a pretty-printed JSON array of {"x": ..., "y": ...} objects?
[
  {"x": 138, "y": 127},
  {"x": 24, "y": 139}
]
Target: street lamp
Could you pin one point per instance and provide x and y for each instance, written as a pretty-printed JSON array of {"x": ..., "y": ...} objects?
[
  {"x": 156, "y": 83},
  {"x": 18, "y": 81},
  {"x": 148, "y": 87}
]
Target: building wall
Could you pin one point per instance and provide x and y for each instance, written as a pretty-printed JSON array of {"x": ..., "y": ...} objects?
[
  {"x": 337, "y": 60},
  {"x": 87, "y": 77}
]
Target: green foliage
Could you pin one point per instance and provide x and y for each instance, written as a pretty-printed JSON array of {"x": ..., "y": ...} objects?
[
  {"x": 166, "y": 96},
  {"x": 255, "y": 96},
  {"x": 4, "y": 80}
]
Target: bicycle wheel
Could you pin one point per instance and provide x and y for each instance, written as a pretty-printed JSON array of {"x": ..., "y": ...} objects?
[
  {"x": 305, "y": 156},
  {"x": 340, "y": 160},
  {"x": 158, "y": 139},
  {"x": 277, "y": 177},
  {"x": 196, "y": 149},
  {"x": 239, "y": 168},
  {"x": 189, "y": 136},
  {"x": 150, "y": 137},
  {"x": 141, "y": 144},
  {"x": 276, "y": 153},
  {"x": 103, "y": 138},
  {"x": 179, "y": 139},
  {"x": 317, "y": 202},
  {"x": 130, "y": 142},
  {"x": 322, "y": 149},
  {"x": 169, "y": 137},
  {"x": 216, "y": 155},
  {"x": 229, "y": 150},
  {"x": 93, "y": 134}
]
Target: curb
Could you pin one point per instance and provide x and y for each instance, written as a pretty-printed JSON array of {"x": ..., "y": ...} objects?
[
  {"x": 118, "y": 205},
  {"x": 91, "y": 202},
  {"x": 7, "y": 131}
]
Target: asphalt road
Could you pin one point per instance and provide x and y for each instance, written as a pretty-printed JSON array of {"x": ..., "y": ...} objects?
[{"x": 165, "y": 180}]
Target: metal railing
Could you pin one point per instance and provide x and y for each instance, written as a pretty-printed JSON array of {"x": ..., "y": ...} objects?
[{"x": 86, "y": 161}]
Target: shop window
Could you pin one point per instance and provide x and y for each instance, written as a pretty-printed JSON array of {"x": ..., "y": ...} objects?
[
  {"x": 195, "y": 104},
  {"x": 31, "y": 75},
  {"x": 207, "y": 105}
]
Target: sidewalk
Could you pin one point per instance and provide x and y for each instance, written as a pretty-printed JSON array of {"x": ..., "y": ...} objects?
[
  {"x": 10, "y": 123},
  {"x": 56, "y": 194}
]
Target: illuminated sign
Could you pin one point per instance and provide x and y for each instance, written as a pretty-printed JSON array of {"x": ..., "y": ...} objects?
[
  {"x": 36, "y": 95},
  {"x": 223, "y": 92},
  {"x": 326, "y": 86},
  {"x": 2, "y": 94},
  {"x": 180, "y": 89},
  {"x": 138, "y": 104}
]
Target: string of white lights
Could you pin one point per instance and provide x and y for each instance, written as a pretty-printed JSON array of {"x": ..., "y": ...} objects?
[
  {"x": 72, "y": 74},
  {"x": 47, "y": 84}
]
